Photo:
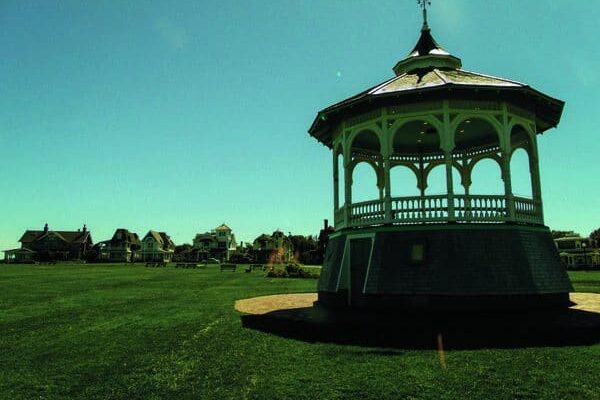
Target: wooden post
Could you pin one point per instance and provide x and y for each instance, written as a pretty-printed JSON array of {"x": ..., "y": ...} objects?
[
  {"x": 505, "y": 149},
  {"x": 536, "y": 186},
  {"x": 336, "y": 178},
  {"x": 347, "y": 187},
  {"x": 447, "y": 144}
]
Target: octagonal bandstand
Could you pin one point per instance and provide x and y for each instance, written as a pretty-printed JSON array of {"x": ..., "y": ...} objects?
[{"x": 445, "y": 250}]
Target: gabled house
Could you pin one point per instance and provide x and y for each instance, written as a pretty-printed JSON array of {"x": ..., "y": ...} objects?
[
  {"x": 124, "y": 246},
  {"x": 48, "y": 245},
  {"x": 578, "y": 252},
  {"x": 219, "y": 243},
  {"x": 276, "y": 247},
  {"x": 157, "y": 246}
]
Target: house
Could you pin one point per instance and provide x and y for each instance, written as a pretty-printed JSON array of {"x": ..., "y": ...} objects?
[
  {"x": 157, "y": 246},
  {"x": 578, "y": 252},
  {"x": 48, "y": 245},
  {"x": 219, "y": 243},
  {"x": 276, "y": 247},
  {"x": 124, "y": 246}
]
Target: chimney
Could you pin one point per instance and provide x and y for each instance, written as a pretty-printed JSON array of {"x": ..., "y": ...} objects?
[
  {"x": 84, "y": 228},
  {"x": 46, "y": 228},
  {"x": 325, "y": 224}
]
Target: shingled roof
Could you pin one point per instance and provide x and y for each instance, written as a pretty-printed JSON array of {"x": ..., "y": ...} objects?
[
  {"x": 430, "y": 73},
  {"x": 126, "y": 236},
  {"x": 164, "y": 241},
  {"x": 31, "y": 236}
]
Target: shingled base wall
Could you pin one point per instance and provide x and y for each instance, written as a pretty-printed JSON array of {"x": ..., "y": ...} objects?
[{"x": 463, "y": 266}]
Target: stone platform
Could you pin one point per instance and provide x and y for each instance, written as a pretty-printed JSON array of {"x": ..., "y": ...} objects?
[{"x": 294, "y": 316}]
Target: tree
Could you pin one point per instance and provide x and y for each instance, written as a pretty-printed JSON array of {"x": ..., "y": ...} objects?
[
  {"x": 595, "y": 237},
  {"x": 560, "y": 234},
  {"x": 183, "y": 248},
  {"x": 304, "y": 247}
]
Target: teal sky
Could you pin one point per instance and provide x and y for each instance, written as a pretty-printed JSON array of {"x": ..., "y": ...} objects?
[{"x": 181, "y": 115}]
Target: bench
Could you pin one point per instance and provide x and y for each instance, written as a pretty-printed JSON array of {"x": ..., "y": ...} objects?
[
  {"x": 190, "y": 265},
  {"x": 228, "y": 267},
  {"x": 156, "y": 264}
]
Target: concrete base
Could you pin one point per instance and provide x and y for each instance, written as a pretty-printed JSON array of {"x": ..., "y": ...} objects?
[
  {"x": 294, "y": 316},
  {"x": 445, "y": 266}
]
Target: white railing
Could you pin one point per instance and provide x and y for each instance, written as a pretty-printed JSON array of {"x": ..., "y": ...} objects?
[
  {"x": 480, "y": 208},
  {"x": 430, "y": 209},
  {"x": 367, "y": 213},
  {"x": 420, "y": 209},
  {"x": 527, "y": 210}
]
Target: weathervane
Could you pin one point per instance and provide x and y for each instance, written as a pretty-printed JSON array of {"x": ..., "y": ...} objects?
[{"x": 424, "y": 4}]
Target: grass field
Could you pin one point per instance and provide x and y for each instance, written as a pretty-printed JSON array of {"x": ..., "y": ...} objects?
[{"x": 129, "y": 332}]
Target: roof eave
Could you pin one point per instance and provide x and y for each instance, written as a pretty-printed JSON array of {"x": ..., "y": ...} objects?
[{"x": 318, "y": 127}]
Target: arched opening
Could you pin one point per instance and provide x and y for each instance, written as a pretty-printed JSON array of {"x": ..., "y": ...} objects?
[
  {"x": 520, "y": 175},
  {"x": 437, "y": 183},
  {"x": 475, "y": 138},
  {"x": 486, "y": 178},
  {"x": 418, "y": 137},
  {"x": 472, "y": 133},
  {"x": 366, "y": 142},
  {"x": 520, "y": 162},
  {"x": 364, "y": 183},
  {"x": 403, "y": 182},
  {"x": 341, "y": 179},
  {"x": 519, "y": 138},
  {"x": 366, "y": 156}
]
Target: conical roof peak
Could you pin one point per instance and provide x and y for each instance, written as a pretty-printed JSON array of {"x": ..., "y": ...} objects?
[
  {"x": 427, "y": 54},
  {"x": 427, "y": 45}
]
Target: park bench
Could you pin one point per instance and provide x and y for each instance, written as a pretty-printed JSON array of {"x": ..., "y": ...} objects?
[
  {"x": 156, "y": 264},
  {"x": 228, "y": 267}
]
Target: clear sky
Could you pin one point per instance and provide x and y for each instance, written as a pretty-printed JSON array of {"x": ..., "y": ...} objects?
[{"x": 181, "y": 115}]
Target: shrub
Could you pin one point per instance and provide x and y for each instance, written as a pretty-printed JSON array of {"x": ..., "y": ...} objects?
[{"x": 291, "y": 270}]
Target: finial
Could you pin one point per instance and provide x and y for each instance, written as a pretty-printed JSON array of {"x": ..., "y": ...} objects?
[{"x": 424, "y": 4}]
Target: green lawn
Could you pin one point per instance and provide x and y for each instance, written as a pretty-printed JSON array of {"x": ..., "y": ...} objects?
[{"x": 129, "y": 332}]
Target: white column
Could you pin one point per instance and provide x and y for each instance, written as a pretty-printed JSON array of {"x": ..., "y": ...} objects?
[
  {"x": 505, "y": 150},
  {"x": 508, "y": 195},
  {"x": 347, "y": 186},
  {"x": 449, "y": 183},
  {"x": 536, "y": 186},
  {"x": 387, "y": 200},
  {"x": 447, "y": 144},
  {"x": 336, "y": 178},
  {"x": 422, "y": 184}
]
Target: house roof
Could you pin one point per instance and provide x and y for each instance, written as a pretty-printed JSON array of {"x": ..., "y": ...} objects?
[
  {"x": 126, "y": 236},
  {"x": 161, "y": 238},
  {"x": 222, "y": 227},
  {"x": 31, "y": 236},
  {"x": 21, "y": 250},
  {"x": 166, "y": 240},
  {"x": 263, "y": 237},
  {"x": 569, "y": 238},
  {"x": 205, "y": 236}
]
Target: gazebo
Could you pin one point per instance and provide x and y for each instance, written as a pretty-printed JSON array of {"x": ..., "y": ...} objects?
[{"x": 455, "y": 249}]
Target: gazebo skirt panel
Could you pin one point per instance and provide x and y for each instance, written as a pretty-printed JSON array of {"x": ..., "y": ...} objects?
[{"x": 468, "y": 266}]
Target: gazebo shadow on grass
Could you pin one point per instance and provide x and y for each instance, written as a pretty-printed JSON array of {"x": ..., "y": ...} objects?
[{"x": 402, "y": 330}]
